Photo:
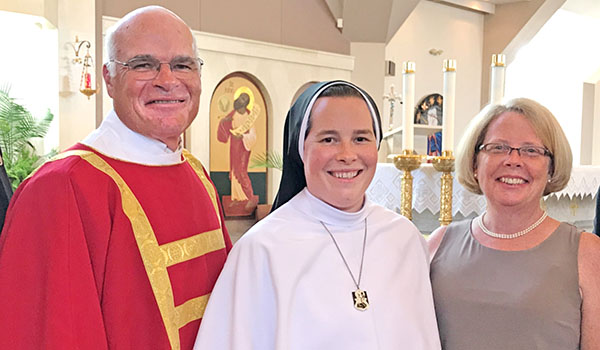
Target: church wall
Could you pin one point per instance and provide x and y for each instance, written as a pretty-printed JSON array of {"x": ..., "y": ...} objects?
[
  {"x": 369, "y": 68},
  {"x": 459, "y": 34},
  {"x": 28, "y": 7},
  {"x": 43, "y": 8},
  {"x": 587, "y": 122},
  {"x": 76, "y": 113},
  {"x": 188, "y": 10},
  {"x": 301, "y": 23},
  {"x": 514, "y": 24},
  {"x": 552, "y": 68},
  {"x": 596, "y": 126}
]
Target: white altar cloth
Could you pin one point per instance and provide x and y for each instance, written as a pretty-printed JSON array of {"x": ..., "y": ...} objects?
[
  {"x": 585, "y": 180},
  {"x": 574, "y": 203},
  {"x": 385, "y": 190}
]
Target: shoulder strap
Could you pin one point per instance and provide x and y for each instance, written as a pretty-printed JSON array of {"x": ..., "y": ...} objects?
[{"x": 199, "y": 169}]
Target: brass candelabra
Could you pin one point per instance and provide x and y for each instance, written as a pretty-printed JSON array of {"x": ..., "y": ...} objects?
[
  {"x": 445, "y": 165},
  {"x": 407, "y": 162}
]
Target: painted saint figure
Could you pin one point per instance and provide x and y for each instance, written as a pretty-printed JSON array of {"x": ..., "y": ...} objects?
[{"x": 238, "y": 128}]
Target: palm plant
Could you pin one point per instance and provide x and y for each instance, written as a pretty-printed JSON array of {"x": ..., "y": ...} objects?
[
  {"x": 267, "y": 160},
  {"x": 17, "y": 128}
]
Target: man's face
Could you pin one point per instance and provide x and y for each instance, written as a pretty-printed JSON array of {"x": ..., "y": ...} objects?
[
  {"x": 163, "y": 107},
  {"x": 241, "y": 103}
]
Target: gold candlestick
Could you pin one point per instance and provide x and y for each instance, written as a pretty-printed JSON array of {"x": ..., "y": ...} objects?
[
  {"x": 407, "y": 162},
  {"x": 445, "y": 165}
]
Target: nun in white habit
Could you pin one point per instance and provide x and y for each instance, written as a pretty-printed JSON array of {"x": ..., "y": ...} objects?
[{"x": 328, "y": 268}]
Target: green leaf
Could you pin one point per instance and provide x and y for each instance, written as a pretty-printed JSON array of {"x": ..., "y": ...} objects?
[
  {"x": 267, "y": 160},
  {"x": 17, "y": 128}
]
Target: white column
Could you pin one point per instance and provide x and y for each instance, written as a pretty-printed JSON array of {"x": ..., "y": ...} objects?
[
  {"x": 408, "y": 106},
  {"x": 497, "y": 79},
  {"x": 596, "y": 126},
  {"x": 449, "y": 94}
]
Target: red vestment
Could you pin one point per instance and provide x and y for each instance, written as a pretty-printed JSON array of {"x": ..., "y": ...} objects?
[{"x": 75, "y": 272}]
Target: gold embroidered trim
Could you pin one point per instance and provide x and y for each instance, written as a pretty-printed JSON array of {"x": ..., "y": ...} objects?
[
  {"x": 192, "y": 247},
  {"x": 198, "y": 168},
  {"x": 157, "y": 258},
  {"x": 191, "y": 310}
]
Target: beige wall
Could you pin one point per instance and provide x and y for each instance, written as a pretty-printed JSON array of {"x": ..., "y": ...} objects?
[
  {"x": 590, "y": 125},
  {"x": 301, "y": 23},
  {"x": 587, "y": 123},
  {"x": 459, "y": 34},
  {"x": 369, "y": 68},
  {"x": 42, "y": 8},
  {"x": 77, "y": 113},
  {"x": 596, "y": 126},
  {"x": 508, "y": 29}
]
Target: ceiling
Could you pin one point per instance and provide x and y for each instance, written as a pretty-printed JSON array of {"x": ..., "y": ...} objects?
[
  {"x": 583, "y": 7},
  {"x": 379, "y": 20}
]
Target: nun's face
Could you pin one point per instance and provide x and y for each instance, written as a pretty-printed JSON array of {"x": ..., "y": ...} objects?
[{"x": 340, "y": 152}]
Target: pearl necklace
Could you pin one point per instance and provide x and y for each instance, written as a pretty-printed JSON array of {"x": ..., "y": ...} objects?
[{"x": 479, "y": 221}]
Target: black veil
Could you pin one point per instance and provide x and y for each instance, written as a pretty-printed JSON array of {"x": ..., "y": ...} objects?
[{"x": 292, "y": 179}]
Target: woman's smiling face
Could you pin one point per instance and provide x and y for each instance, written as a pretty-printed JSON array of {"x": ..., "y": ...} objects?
[
  {"x": 512, "y": 179},
  {"x": 340, "y": 152}
]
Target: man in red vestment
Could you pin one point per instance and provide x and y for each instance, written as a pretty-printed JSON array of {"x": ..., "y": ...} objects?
[{"x": 117, "y": 242}]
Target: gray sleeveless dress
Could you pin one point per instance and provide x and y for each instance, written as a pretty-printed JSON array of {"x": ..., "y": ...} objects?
[{"x": 491, "y": 299}]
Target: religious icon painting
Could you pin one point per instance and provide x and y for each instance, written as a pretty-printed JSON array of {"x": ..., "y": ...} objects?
[
  {"x": 434, "y": 144},
  {"x": 429, "y": 110},
  {"x": 238, "y": 131}
]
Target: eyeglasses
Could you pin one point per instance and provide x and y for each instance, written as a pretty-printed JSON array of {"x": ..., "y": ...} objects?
[
  {"x": 504, "y": 149},
  {"x": 147, "y": 67}
]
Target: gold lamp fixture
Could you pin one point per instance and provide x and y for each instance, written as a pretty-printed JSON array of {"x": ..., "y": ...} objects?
[{"x": 85, "y": 84}]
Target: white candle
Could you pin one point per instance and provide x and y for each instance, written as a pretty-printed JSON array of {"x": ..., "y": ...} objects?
[
  {"x": 448, "y": 106},
  {"x": 497, "y": 80},
  {"x": 408, "y": 104}
]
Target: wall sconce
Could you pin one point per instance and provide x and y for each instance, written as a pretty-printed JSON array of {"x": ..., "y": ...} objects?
[{"x": 85, "y": 84}]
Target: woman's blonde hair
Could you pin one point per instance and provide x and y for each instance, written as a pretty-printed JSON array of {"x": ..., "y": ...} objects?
[{"x": 546, "y": 128}]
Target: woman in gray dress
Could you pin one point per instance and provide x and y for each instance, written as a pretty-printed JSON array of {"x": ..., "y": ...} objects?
[{"x": 514, "y": 278}]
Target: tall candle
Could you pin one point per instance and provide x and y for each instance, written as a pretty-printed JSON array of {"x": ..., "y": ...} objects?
[
  {"x": 497, "y": 81},
  {"x": 408, "y": 106},
  {"x": 448, "y": 105}
]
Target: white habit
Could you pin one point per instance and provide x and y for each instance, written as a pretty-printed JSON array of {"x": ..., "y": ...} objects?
[{"x": 284, "y": 285}]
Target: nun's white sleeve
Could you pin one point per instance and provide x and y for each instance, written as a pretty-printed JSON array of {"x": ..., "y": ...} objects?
[{"x": 241, "y": 310}]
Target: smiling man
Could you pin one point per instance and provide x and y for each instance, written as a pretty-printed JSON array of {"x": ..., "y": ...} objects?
[{"x": 117, "y": 242}]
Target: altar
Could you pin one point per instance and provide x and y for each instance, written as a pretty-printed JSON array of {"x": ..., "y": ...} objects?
[{"x": 574, "y": 204}]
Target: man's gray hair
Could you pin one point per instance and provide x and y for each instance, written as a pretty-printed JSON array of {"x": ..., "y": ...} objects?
[{"x": 111, "y": 44}]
